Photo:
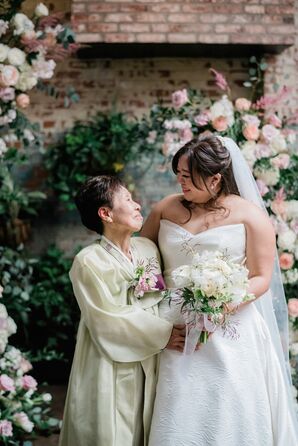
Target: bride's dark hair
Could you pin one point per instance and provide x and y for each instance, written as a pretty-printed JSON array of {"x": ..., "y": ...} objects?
[{"x": 206, "y": 157}]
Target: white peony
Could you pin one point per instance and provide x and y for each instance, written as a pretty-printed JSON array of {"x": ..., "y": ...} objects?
[
  {"x": 16, "y": 57},
  {"x": 269, "y": 176},
  {"x": 41, "y": 10},
  {"x": 22, "y": 24},
  {"x": 4, "y": 49},
  {"x": 223, "y": 107},
  {"x": 286, "y": 240},
  {"x": 181, "y": 276},
  {"x": 28, "y": 79}
]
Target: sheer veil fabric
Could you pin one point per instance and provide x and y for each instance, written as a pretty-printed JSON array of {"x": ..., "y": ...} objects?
[{"x": 272, "y": 305}]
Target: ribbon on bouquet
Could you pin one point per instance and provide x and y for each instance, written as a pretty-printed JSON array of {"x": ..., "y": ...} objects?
[{"x": 195, "y": 324}]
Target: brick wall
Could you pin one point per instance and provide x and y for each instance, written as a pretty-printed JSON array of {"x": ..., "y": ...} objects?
[{"x": 184, "y": 21}]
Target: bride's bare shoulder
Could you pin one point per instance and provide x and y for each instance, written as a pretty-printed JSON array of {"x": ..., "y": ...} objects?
[
  {"x": 167, "y": 203},
  {"x": 246, "y": 211}
]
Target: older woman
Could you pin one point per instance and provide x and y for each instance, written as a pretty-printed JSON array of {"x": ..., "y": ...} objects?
[{"x": 112, "y": 383}]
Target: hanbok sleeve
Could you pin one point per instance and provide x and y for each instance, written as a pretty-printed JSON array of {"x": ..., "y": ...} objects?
[{"x": 123, "y": 333}]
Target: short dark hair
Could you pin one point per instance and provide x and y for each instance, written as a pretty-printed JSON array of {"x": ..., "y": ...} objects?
[{"x": 94, "y": 193}]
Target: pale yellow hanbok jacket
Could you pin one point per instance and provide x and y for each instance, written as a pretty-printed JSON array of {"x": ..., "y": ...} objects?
[{"x": 112, "y": 383}]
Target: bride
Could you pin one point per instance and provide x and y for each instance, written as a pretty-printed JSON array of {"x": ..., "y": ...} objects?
[{"x": 229, "y": 392}]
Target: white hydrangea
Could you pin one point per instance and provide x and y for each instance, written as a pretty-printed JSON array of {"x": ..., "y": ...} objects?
[
  {"x": 28, "y": 79},
  {"x": 286, "y": 240},
  {"x": 269, "y": 176},
  {"x": 249, "y": 152},
  {"x": 16, "y": 57},
  {"x": 22, "y": 24},
  {"x": 291, "y": 208},
  {"x": 290, "y": 276},
  {"x": 279, "y": 143},
  {"x": 41, "y": 10},
  {"x": 28, "y": 135},
  {"x": 223, "y": 107},
  {"x": 4, "y": 49}
]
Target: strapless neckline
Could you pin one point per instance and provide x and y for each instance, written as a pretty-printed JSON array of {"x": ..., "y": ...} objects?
[{"x": 171, "y": 223}]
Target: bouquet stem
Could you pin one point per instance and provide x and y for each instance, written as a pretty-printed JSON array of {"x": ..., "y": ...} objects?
[{"x": 204, "y": 337}]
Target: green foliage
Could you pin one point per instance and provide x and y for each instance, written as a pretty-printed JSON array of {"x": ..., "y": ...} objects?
[
  {"x": 104, "y": 144},
  {"x": 38, "y": 296}
]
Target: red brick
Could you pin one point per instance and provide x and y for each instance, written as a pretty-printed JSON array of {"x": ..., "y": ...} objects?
[
  {"x": 254, "y": 9},
  {"x": 212, "y": 38},
  {"x": 102, "y": 27},
  {"x": 254, "y": 29},
  {"x": 135, "y": 27},
  {"x": 227, "y": 9},
  {"x": 182, "y": 38},
  {"x": 119, "y": 18},
  {"x": 165, "y": 8},
  {"x": 282, "y": 10},
  {"x": 49, "y": 124},
  {"x": 101, "y": 7},
  {"x": 151, "y": 38},
  {"x": 214, "y": 18},
  {"x": 133, "y": 8},
  {"x": 150, "y": 17},
  {"x": 197, "y": 8},
  {"x": 182, "y": 18},
  {"x": 282, "y": 29},
  {"x": 80, "y": 7},
  {"x": 119, "y": 37},
  {"x": 88, "y": 37},
  {"x": 227, "y": 29}
]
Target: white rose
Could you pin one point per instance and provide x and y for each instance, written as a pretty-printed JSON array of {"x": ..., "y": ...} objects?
[
  {"x": 22, "y": 24},
  {"x": 4, "y": 49},
  {"x": 3, "y": 344},
  {"x": 223, "y": 107},
  {"x": 42, "y": 68},
  {"x": 11, "y": 326},
  {"x": 41, "y": 10},
  {"x": 16, "y": 57},
  {"x": 28, "y": 135},
  {"x": 290, "y": 276},
  {"x": 3, "y": 312},
  {"x": 286, "y": 240},
  {"x": 47, "y": 397},
  {"x": 294, "y": 348},
  {"x": 269, "y": 176}
]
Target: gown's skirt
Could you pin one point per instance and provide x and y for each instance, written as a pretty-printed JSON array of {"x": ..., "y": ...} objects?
[{"x": 229, "y": 393}]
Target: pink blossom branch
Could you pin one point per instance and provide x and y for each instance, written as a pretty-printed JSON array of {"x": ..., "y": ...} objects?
[{"x": 220, "y": 80}]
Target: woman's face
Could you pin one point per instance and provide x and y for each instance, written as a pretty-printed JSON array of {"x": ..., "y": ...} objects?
[
  {"x": 198, "y": 193},
  {"x": 125, "y": 213}
]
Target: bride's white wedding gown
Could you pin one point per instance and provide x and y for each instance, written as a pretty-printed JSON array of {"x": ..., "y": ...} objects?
[{"x": 230, "y": 392}]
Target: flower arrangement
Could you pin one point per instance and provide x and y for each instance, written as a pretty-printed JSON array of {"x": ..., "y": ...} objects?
[
  {"x": 209, "y": 290},
  {"x": 147, "y": 278},
  {"x": 266, "y": 140},
  {"x": 23, "y": 410}
]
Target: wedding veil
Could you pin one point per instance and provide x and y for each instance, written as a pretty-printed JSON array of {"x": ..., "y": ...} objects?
[{"x": 272, "y": 305}]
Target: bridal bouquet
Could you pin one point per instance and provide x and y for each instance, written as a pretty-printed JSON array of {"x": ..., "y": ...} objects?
[{"x": 209, "y": 289}]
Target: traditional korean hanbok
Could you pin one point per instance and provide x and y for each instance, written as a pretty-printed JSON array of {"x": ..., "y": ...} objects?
[{"x": 112, "y": 383}]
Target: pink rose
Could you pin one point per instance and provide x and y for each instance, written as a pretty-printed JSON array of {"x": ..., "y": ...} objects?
[
  {"x": 9, "y": 76},
  {"x": 262, "y": 187},
  {"x": 5, "y": 428},
  {"x": 281, "y": 161},
  {"x": 286, "y": 260},
  {"x": 21, "y": 419},
  {"x": 293, "y": 307},
  {"x": 220, "y": 124},
  {"x": 29, "y": 383},
  {"x": 201, "y": 119},
  {"x": 22, "y": 100},
  {"x": 242, "y": 104},
  {"x": 251, "y": 132},
  {"x": 179, "y": 98},
  {"x": 185, "y": 134},
  {"x": 6, "y": 383},
  {"x": 274, "y": 120},
  {"x": 7, "y": 94}
]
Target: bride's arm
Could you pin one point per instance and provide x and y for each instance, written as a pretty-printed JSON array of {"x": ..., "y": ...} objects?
[{"x": 260, "y": 250}]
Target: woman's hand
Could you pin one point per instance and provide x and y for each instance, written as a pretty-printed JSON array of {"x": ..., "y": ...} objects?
[{"x": 177, "y": 338}]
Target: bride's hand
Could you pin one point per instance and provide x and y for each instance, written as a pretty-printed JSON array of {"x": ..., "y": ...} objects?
[{"x": 177, "y": 338}]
